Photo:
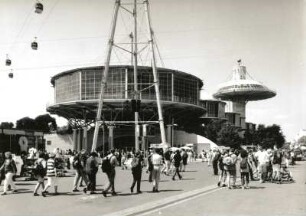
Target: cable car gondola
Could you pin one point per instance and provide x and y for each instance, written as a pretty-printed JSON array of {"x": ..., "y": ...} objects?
[
  {"x": 34, "y": 45},
  {"x": 8, "y": 61},
  {"x": 39, "y": 8},
  {"x": 11, "y": 75}
]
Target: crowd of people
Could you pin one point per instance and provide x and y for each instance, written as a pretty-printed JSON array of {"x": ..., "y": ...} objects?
[
  {"x": 263, "y": 165},
  {"x": 48, "y": 167}
]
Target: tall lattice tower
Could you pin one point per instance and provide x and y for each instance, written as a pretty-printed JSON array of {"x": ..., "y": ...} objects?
[{"x": 132, "y": 8}]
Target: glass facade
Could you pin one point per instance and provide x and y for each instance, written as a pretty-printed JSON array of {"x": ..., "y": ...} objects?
[
  {"x": 91, "y": 84},
  {"x": 186, "y": 90},
  {"x": 233, "y": 119},
  {"x": 214, "y": 109},
  {"x": 67, "y": 88},
  {"x": 147, "y": 89},
  {"x": 85, "y": 84}
]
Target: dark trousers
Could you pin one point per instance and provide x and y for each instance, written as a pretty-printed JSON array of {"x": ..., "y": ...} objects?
[
  {"x": 150, "y": 176},
  {"x": 245, "y": 178},
  {"x": 251, "y": 174},
  {"x": 177, "y": 171},
  {"x": 215, "y": 167},
  {"x": 91, "y": 181},
  {"x": 111, "y": 181},
  {"x": 136, "y": 179}
]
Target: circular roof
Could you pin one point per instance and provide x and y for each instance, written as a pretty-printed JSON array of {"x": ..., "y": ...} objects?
[
  {"x": 140, "y": 69},
  {"x": 249, "y": 90},
  {"x": 123, "y": 109}
]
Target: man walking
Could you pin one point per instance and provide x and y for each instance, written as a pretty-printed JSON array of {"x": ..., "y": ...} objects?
[
  {"x": 150, "y": 165},
  {"x": 263, "y": 159},
  {"x": 136, "y": 171},
  {"x": 79, "y": 163},
  {"x": 177, "y": 160},
  {"x": 111, "y": 173},
  {"x": 91, "y": 171},
  {"x": 157, "y": 162}
]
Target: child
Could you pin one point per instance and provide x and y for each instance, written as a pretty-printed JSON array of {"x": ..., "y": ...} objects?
[{"x": 244, "y": 170}]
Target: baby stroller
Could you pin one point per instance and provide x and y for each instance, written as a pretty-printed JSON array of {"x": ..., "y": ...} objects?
[{"x": 286, "y": 175}]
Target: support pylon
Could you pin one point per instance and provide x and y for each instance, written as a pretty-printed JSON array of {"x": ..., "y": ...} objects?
[{"x": 134, "y": 53}]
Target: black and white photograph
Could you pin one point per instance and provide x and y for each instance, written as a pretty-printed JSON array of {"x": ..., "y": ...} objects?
[{"x": 153, "y": 107}]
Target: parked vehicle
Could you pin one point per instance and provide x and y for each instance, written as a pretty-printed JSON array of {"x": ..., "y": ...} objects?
[{"x": 298, "y": 154}]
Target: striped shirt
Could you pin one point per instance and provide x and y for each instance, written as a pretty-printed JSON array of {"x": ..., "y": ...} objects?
[{"x": 50, "y": 167}]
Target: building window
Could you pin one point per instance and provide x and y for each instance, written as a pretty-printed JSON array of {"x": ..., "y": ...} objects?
[{"x": 67, "y": 88}]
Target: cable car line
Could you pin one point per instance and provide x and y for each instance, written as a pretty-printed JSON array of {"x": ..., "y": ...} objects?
[
  {"x": 47, "y": 16},
  {"x": 23, "y": 26}
]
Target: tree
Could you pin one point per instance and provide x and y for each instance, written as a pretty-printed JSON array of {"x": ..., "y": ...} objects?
[
  {"x": 248, "y": 137},
  {"x": 269, "y": 136},
  {"x": 229, "y": 136},
  {"x": 45, "y": 123},
  {"x": 6, "y": 125},
  {"x": 25, "y": 123},
  {"x": 212, "y": 130}
]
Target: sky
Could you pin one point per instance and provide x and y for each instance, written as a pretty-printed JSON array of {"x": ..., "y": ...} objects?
[{"x": 201, "y": 37}]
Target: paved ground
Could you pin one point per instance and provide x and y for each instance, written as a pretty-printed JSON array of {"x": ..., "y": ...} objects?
[{"x": 196, "y": 194}]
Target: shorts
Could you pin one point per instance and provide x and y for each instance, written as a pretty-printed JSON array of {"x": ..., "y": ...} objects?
[
  {"x": 52, "y": 180},
  {"x": 156, "y": 173},
  {"x": 40, "y": 178}
]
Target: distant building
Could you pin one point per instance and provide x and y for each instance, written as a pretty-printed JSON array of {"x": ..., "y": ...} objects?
[
  {"x": 76, "y": 98},
  {"x": 18, "y": 141},
  {"x": 215, "y": 109},
  {"x": 238, "y": 91}
]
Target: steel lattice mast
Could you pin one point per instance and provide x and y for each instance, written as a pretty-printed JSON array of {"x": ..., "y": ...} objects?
[{"x": 134, "y": 52}]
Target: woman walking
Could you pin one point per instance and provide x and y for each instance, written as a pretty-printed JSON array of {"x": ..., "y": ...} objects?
[
  {"x": 40, "y": 172},
  {"x": 10, "y": 169},
  {"x": 51, "y": 175}
]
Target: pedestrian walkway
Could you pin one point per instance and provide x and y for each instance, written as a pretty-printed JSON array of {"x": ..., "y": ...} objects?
[
  {"x": 198, "y": 184},
  {"x": 265, "y": 199}
]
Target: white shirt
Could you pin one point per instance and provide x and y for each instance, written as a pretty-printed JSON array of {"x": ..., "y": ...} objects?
[
  {"x": 262, "y": 157},
  {"x": 157, "y": 159}
]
